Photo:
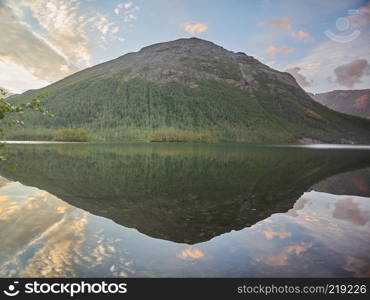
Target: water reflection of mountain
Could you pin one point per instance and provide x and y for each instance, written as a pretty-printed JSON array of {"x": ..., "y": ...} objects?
[
  {"x": 347, "y": 183},
  {"x": 182, "y": 193}
]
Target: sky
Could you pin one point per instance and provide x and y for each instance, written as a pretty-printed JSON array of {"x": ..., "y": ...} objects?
[{"x": 324, "y": 44}]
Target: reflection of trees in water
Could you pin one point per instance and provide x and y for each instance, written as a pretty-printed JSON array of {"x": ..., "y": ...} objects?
[{"x": 182, "y": 193}]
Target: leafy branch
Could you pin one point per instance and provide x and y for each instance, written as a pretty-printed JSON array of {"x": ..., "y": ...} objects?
[{"x": 7, "y": 108}]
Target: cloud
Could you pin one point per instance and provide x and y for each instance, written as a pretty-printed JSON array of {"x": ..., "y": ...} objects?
[
  {"x": 128, "y": 10},
  {"x": 285, "y": 25},
  {"x": 194, "y": 28},
  {"x": 103, "y": 24},
  {"x": 125, "y": 5},
  {"x": 349, "y": 74},
  {"x": 273, "y": 50},
  {"x": 362, "y": 17},
  {"x": 64, "y": 27},
  {"x": 320, "y": 62},
  {"x": 57, "y": 33},
  {"x": 301, "y": 79},
  {"x": 16, "y": 78},
  {"x": 21, "y": 46}
]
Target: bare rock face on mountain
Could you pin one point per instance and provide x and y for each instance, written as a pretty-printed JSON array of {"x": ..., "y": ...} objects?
[
  {"x": 198, "y": 86},
  {"x": 353, "y": 102},
  {"x": 187, "y": 60}
]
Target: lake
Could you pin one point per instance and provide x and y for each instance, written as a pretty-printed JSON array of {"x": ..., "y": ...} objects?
[{"x": 184, "y": 210}]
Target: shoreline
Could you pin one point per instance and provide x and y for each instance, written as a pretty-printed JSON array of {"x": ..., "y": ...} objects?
[{"x": 303, "y": 146}]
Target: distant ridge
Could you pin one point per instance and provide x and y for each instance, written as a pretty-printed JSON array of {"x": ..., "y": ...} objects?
[{"x": 353, "y": 102}]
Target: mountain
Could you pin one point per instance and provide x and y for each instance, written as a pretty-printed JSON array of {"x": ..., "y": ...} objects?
[
  {"x": 190, "y": 89},
  {"x": 353, "y": 102}
]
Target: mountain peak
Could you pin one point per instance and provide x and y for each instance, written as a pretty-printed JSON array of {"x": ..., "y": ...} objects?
[{"x": 182, "y": 42}]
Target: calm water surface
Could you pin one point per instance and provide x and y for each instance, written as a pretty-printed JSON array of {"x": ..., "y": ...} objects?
[{"x": 172, "y": 210}]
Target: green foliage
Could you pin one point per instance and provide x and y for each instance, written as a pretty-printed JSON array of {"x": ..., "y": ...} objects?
[
  {"x": 48, "y": 134},
  {"x": 7, "y": 108},
  {"x": 73, "y": 135},
  {"x": 178, "y": 135},
  {"x": 138, "y": 109},
  {"x": 26, "y": 134}
]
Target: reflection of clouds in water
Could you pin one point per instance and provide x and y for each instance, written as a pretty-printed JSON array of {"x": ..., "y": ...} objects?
[
  {"x": 61, "y": 245},
  {"x": 338, "y": 223},
  {"x": 298, "y": 205},
  {"x": 45, "y": 244},
  {"x": 320, "y": 236},
  {"x": 310, "y": 239},
  {"x": 52, "y": 244},
  {"x": 283, "y": 257},
  {"x": 346, "y": 209},
  {"x": 191, "y": 253},
  {"x": 360, "y": 267},
  {"x": 271, "y": 234}
]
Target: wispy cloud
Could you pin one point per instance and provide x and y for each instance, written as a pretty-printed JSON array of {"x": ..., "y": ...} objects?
[
  {"x": 193, "y": 27},
  {"x": 128, "y": 10},
  {"x": 285, "y": 25},
  {"x": 59, "y": 45},
  {"x": 64, "y": 28},
  {"x": 273, "y": 50},
  {"x": 21, "y": 46}
]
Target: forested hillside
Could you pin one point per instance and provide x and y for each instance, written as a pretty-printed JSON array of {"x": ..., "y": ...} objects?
[{"x": 187, "y": 89}]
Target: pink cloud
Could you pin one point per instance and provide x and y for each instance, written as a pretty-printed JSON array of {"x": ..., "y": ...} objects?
[
  {"x": 362, "y": 18},
  {"x": 273, "y": 50},
  {"x": 194, "y": 28},
  {"x": 285, "y": 25}
]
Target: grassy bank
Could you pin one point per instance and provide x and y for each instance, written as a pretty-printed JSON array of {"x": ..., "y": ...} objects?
[
  {"x": 178, "y": 135},
  {"x": 117, "y": 134},
  {"x": 133, "y": 134},
  {"x": 63, "y": 134},
  {"x": 124, "y": 134}
]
